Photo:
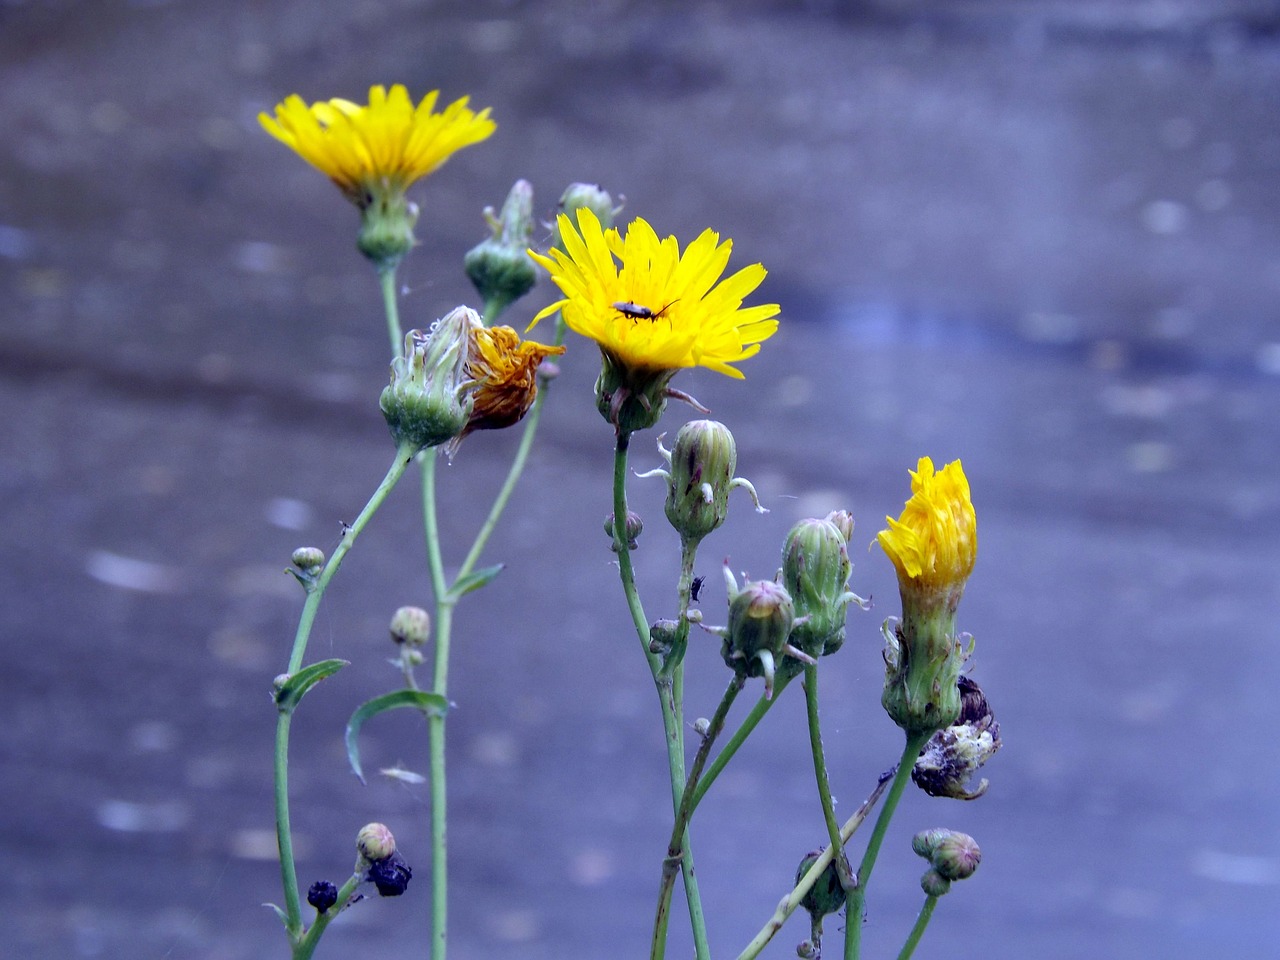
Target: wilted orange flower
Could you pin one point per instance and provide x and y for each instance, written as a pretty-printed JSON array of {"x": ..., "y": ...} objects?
[{"x": 506, "y": 371}]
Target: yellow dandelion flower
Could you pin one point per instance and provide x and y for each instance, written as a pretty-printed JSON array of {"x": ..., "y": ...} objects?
[
  {"x": 935, "y": 542},
  {"x": 651, "y": 308},
  {"x": 379, "y": 148},
  {"x": 505, "y": 369}
]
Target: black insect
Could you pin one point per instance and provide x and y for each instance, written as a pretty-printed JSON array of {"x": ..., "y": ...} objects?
[
  {"x": 695, "y": 588},
  {"x": 638, "y": 311}
]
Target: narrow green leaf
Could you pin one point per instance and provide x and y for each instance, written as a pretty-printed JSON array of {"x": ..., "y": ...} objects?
[
  {"x": 474, "y": 581},
  {"x": 429, "y": 703},
  {"x": 289, "y": 693},
  {"x": 284, "y": 918}
]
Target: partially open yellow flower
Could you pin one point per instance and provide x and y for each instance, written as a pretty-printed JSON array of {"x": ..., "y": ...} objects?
[
  {"x": 506, "y": 369},
  {"x": 933, "y": 546},
  {"x": 648, "y": 306},
  {"x": 379, "y": 148},
  {"x": 935, "y": 542}
]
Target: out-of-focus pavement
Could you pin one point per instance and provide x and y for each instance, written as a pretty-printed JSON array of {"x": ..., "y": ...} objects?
[{"x": 1039, "y": 236}]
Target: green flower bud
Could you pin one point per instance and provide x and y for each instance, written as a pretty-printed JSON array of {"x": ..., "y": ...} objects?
[
  {"x": 827, "y": 894},
  {"x": 927, "y": 841},
  {"x": 375, "y": 842},
  {"x": 699, "y": 478},
  {"x": 635, "y": 526},
  {"x": 761, "y": 616},
  {"x": 308, "y": 559},
  {"x": 702, "y": 464},
  {"x": 590, "y": 195},
  {"x": 934, "y": 884},
  {"x": 386, "y": 228},
  {"x": 499, "y": 266},
  {"x": 429, "y": 401},
  {"x": 662, "y": 636},
  {"x": 410, "y": 626},
  {"x": 957, "y": 857},
  {"x": 815, "y": 570}
]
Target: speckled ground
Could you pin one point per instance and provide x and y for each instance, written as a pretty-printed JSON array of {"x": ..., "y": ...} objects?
[{"x": 1039, "y": 236}]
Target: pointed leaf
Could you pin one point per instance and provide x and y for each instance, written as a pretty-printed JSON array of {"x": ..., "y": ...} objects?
[
  {"x": 475, "y": 580},
  {"x": 289, "y": 693},
  {"x": 429, "y": 703}
]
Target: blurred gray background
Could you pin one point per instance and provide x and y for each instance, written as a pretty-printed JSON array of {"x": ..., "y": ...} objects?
[{"x": 1041, "y": 236}]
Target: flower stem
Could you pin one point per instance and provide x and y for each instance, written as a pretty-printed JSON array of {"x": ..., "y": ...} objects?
[
  {"x": 669, "y": 686},
  {"x": 824, "y": 784},
  {"x": 749, "y": 723},
  {"x": 304, "y": 948},
  {"x": 922, "y": 921},
  {"x": 391, "y": 306},
  {"x": 791, "y": 901},
  {"x": 679, "y": 832},
  {"x": 315, "y": 593},
  {"x": 858, "y": 896},
  {"x": 435, "y": 721}
]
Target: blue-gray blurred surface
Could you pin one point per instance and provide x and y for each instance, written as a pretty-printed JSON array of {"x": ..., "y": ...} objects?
[{"x": 1043, "y": 237}]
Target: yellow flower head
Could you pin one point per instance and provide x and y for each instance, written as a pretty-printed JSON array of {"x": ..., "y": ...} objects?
[
  {"x": 648, "y": 306},
  {"x": 379, "y": 148},
  {"x": 934, "y": 543},
  {"x": 505, "y": 369}
]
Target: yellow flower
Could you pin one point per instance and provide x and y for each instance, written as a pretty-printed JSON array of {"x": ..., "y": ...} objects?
[
  {"x": 934, "y": 543},
  {"x": 505, "y": 369},
  {"x": 380, "y": 148},
  {"x": 651, "y": 308}
]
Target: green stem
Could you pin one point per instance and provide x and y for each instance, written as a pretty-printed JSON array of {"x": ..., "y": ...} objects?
[
  {"x": 749, "y": 723},
  {"x": 304, "y": 948},
  {"x": 679, "y": 832},
  {"x": 315, "y": 593},
  {"x": 824, "y": 783},
  {"x": 435, "y": 721},
  {"x": 508, "y": 486},
  {"x": 922, "y": 921},
  {"x": 672, "y": 710},
  {"x": 391, "y": 306},
  {"x": 858, "y": 897},
  {"x": 791, "y": 902}
]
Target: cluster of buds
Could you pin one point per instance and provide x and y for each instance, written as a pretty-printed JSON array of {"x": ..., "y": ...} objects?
[{"x": 951, "y": 855}]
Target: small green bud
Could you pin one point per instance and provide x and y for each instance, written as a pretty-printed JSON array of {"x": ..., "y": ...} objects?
[
  {"x": 386, "y": 228},
  {"x": 815, "y": 570},
  {"x": 308, "y": 559},
  {"x": 590, "y": 195},
  {"x": 499, "y": 266},
  {"x": 375, "y": 842},
  {"x": 761, "y": 616},
  {"x": 934, "y": 884},
  {"x": 411, "y": 626},
  {"x": 429, "y": 399},
  {"x": 662, "y": 636},
  {"x": 702, "y": 463},
  {"x": 957, "y": 856},
  {"x": 635, "y": 526},
  {"x": 827, "y": 894},
  {"x": 927, "y": 841}
]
